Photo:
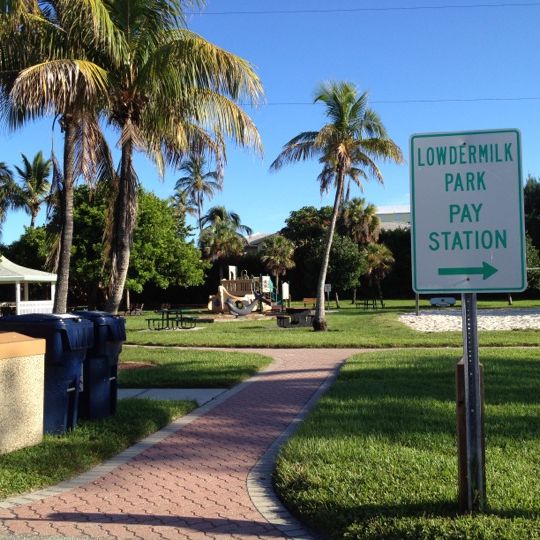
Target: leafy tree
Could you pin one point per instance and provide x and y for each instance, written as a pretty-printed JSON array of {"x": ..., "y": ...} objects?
[
  {"x": 172, "y": 93},
  {"x": 35, "y": 185},
  {"x": 306, "y": 224},
  {"x": 353, "y": 137},
  {"x": 198, "y": 183},
  {"x": 532, "y": 209},
  {"x": 30, "y": 249},
  {"x": 533, "y": 261},
  {"x": 379, "y": 260},
  {"x": 347, "y": 263},
  {"x": 160, "y": 253},
  {"x": 277, "y": 255}
]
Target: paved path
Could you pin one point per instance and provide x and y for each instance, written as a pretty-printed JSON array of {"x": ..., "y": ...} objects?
[{"x": 193, "y": 482}]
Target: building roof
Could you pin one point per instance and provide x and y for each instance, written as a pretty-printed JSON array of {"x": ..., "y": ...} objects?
[
  {"x": 14, "y": 273},
  {"x": 394, "y": 209}
]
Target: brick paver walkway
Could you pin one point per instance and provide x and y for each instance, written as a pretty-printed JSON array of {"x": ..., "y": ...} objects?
[{"x": 192, "y": 484}]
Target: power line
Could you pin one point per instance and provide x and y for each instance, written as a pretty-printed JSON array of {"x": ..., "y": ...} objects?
[
  {"x": 369, "y": 9},
  {"x": 412, "y": 101}
]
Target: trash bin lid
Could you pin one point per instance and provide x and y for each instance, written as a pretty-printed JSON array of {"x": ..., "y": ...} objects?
[
  {"x": 79, "y": 332},
  {"x": 116, "y": 324}
]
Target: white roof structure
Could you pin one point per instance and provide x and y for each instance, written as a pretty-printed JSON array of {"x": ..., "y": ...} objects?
[{"x": 14, "y": 273}]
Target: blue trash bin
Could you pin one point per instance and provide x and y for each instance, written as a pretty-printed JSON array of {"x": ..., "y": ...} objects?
[
  {"x": 100, "y": 369},
  {"x": 67, "y": 338}
]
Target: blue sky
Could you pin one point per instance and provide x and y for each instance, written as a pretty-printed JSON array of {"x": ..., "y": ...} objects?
[{"x": 409, "y": 60}]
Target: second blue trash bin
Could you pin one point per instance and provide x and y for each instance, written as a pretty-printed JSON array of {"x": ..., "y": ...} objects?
[
  {"x": 67, "y": 339},
  {"x": 99, "y": 395}
]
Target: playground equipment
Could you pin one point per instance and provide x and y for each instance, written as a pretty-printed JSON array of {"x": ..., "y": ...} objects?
[
  {"x": 234, "y": 295},
  {"x": 236, "y": 292},
  {"x": 241, "y": 312}
]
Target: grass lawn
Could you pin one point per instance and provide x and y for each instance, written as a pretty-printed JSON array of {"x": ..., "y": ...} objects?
[
  {"x": 348, "y": 327},
  {"x": 58, "y": 458},
  {"x": 174, "y": 368},
  {"x": 377, "y": 458}
]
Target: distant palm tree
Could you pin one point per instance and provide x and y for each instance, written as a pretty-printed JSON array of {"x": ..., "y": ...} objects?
[
  {"x": 8, "y": 192},
  {"x": 222, "y": 235},
  {"x": 360, "y": 221},
  {"x": 346, "y": 146},
  {"x": 277, "y": 255},
  {"x": 198, "y": 184},
  {"x": 379, "y": 263},
  {"x": 219, "y": 214},
  {"x": 35, "y": 184}
]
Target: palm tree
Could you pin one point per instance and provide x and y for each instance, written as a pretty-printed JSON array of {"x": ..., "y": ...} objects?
[
  {"x": 8, "y": 192},
  {"x": 198, "y": 183},
  {"x": 277, "y": 255},
  {"x": 172, "y": 94},
  {"x": 379, "y": 262},
  {"x": 352, "y": 139},
  {"x": 219, "y": 214},
  {"x": 360, "y": 221},
  {"x": 47, "y": 68},
  {"x": 222, "y": 235},
  {"x": 35, "y": 184}
]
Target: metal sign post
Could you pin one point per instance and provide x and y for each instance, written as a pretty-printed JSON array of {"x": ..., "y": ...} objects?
[{"x": 471, "y": 442}]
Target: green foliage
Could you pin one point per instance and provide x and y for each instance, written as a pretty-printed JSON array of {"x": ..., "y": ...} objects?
[
  {"x": 532, "y": 209},
  {"x": 377, "y": 458},
  {"x": 307, "y": 224},
  {"x": 533, "y": 261},
  {"x": 59, "y": 458},
  {"x": 175, "y": 368},
  {"x": 160, "y": 254},
  {"x": 31, "y": 249},
  {"x": 346, "y": 266}
]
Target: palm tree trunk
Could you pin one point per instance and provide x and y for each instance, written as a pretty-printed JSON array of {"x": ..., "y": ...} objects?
[
  {"x": 319, "y": 321},
  {"x": 33, "y": 218},
  {"x": 125, "y": 215},
  {"x": 66, "y": 198}
]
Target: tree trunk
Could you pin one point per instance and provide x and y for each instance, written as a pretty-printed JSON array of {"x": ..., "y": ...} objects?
[
  {"x": 319, "y": 321},
  {"x": 353, "y": 297},
  {"x": 337, "y": 302},
  {"x": 125, "y": 215},
  {"x": 66, "y": 202},
  {"x": 33, "y": 217}
]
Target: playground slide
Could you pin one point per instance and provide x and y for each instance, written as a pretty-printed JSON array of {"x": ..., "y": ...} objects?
[{"x": 241, "y": 312}]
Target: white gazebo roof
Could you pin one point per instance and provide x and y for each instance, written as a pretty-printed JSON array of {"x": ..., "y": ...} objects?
[{"x": 14, "y": 273}]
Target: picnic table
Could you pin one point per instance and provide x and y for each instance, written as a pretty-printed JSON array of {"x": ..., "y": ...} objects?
[
  {"x": 170, "y": 319},
  {"x": 296, "y": 318}
]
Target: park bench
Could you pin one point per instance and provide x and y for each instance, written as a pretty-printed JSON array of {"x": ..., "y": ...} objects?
[
  {"x": 310, "y": 302},
  {"x": 442, "y": 301}
]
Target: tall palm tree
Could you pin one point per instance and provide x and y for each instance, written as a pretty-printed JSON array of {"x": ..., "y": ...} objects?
[
  {"x": 173, "y": 93},
  {"x": 47, "y": 68},
  {"x": 379, "y": 263},
  {"x": 360, "y": 221},
  {"x": 277, "y": 255},
  {"x": 353, "y": 138},
  {"x": 35, "y": 184},
  {"x": 198, "y": 183}
]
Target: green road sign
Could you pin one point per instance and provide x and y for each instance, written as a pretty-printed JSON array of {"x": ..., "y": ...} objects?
[{"x": 467, "y": 212}]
